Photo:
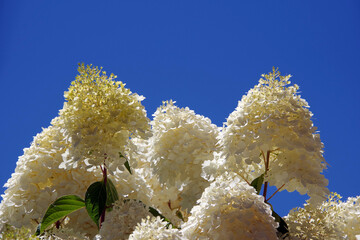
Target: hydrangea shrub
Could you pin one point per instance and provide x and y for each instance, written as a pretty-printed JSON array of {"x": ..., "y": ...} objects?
[{"x": 103, "y": 170}]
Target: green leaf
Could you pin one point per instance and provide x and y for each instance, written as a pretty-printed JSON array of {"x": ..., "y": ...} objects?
[
  {"x": 283, "y": 229},
  {"x": 59, "y": 209},
  {"x": 112, "y": 194},
  {"x": 179, "y": 215},
  {"x": 127, "y": 165},
  {"x": 95, "y": 200},
  {"x": 155, "y": 213},
  {"x": 257, "y": 183}
]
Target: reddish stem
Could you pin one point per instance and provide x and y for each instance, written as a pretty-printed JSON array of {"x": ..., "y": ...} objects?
[
  {"x": 102, "y": 217},
  {"x": 265, "y": 190},
  {"x": 105, "y": 175},
  {"x": 275, "y": 193},
  {"x": 57, "y": 224},
  {"x": 267, "y": 161}
]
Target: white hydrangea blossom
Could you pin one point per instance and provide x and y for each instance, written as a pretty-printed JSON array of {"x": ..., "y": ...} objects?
[
  {"x": 351, "y": 217},
  {"x": 132, "y": 186},
  {"x": 93, "y": 127},
  {"x": 122, "y": 220},
  {"x": 214, "y": 168},
  {"x": 98, "y": 119},
  {"x": 154, "y": 229},
  {"x": 37, "y": 182},
  {"x": 181, "y": 141},
  {"x": 63, "y": 234},
  {"x": 230, "y": 209},
  {"x": 332, "y": 220},
  {"x": 273, "y": 118},
  {"x": 8, "y": 232}
]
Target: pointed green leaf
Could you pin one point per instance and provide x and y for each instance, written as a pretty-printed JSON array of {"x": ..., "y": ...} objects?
[
  {"x": 155, "y": 213},
  {"x": 59, "y": 209},
  {"x": 179, "y": 215},
  {"x": 112, "y": 194},
  {"x": 257, "y": 183},
  {"x": 283, "y": 227},
  {"x": 95, "y": 200},
  {"x": 127, "y": 165}
]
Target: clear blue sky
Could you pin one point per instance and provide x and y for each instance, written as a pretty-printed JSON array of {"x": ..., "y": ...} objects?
[{"x": 203, "y": 54}]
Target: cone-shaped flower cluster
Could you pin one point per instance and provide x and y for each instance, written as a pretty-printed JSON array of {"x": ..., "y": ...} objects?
[
  {"x": 181, "y": 142},
  {"x": 92, "y": 128},
  {"x": 230, "y": 209},
  {"x": 171, "y": 159},
  {"x": 271, "y": 131},
  {"x": 98, "y": 119}
]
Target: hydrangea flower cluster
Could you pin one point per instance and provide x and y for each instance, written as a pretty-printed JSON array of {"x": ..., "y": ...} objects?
[
  {"x": 178, "y": 176},
  {"x": 64, "y": 234},
  {"x": 333, "y": 219},
  {"x": 230, "y": 209},
  {"x": 271, "y": 132},
  {"x": 98, "y": 119},
  {"x": 38, "y": 181},
  {"x": 45, "y": 172},
  {"x": 154, "y": 229},
  {"x": 181, "y": 141},
  {"x": 122, "y": 220},
  {"x": 10, "y": 232}
]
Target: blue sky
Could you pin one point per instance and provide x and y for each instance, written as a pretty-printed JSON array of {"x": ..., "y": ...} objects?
[{"x": 202, "y": 54}]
